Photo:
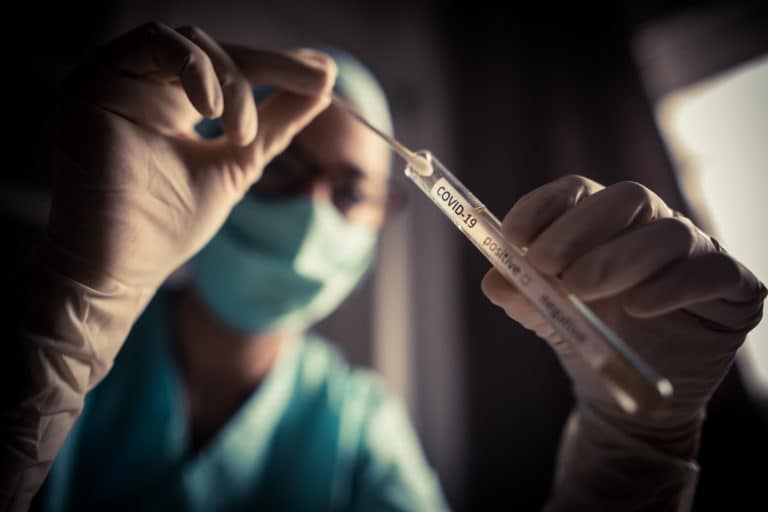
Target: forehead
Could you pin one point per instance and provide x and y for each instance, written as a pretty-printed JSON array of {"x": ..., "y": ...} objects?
[{"x": 335, "y": 139}]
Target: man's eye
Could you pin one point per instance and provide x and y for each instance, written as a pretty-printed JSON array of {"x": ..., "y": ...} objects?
[
  {"x": 346, "y": 195},
  {"x": 281, "y": 179}
]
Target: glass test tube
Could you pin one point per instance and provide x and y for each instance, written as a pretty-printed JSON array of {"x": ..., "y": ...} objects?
[{"x": 631, "y": 381}]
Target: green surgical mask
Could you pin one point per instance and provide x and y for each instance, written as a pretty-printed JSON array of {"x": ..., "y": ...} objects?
[{"x": 281, "y": 264}]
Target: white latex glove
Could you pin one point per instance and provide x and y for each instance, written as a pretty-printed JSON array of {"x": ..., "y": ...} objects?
[
  {"x": 671, "y": 292},
  {"x": 137, "y": 193}
]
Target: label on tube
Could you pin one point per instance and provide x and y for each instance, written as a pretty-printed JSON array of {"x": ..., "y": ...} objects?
[{"x": 510, "y": 261}]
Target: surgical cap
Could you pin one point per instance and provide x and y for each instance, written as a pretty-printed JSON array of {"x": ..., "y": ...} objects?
[{"x": 354, "y": 81}]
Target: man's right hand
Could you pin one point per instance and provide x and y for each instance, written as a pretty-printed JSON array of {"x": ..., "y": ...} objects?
[{"x": 138, "y": 192}]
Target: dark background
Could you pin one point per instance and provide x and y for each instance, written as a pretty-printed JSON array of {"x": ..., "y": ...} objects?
[
  {"x": 557, "y": 91},
  {"x": 543, "y": 91}
]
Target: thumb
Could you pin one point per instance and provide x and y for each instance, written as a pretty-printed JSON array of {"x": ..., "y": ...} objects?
[
  {"x": 281, "y": 117},
  {"x": 505, "y": 295}
]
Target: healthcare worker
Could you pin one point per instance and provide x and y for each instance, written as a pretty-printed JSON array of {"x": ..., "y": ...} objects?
[
  {"x": 225, "y": 401},
  {"x": 219, "y": 398},
  {"x": 139, "y": 194}
]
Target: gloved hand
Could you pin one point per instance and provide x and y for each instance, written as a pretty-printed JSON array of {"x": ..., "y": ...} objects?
[
  {"x": 665, "y": 287},
  {"x": 137, "y": 193}
]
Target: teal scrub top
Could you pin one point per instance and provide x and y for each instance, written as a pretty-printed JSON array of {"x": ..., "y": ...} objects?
[{"x": 315, "y": 435}]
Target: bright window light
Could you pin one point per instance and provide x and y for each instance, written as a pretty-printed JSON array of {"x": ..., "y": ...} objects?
[{"x": 717, "y": 133}]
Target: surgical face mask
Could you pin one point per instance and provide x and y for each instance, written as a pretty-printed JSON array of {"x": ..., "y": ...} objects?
[{"x": 281, "y": 264}]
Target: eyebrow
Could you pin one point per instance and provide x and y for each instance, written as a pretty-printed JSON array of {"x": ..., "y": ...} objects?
[
  {"x": 348, "y": 169},
  {"x": 344, "y": 169}
]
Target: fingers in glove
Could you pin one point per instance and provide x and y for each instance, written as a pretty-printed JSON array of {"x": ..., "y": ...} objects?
[
  {"x": 305, "y": 79},
  {"x": 304, "y": 83},
  {"x": 157, "y": 50},
  {"x": 539, "y": 208},
  {"x": 598, "y": 218},
  {"x": 283, "y": 115},
  {"x": 712, "y": 285},
  {"x": 620, "y": 264},
  {"x": 303, "y": 72},
  {"x": 239, "y": 118}
]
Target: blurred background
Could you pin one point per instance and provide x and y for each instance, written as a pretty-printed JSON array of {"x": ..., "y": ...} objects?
[{"x": 673, "y": 94}]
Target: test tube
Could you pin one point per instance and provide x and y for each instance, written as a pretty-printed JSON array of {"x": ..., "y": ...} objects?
[{"x": 630, "y": 380}]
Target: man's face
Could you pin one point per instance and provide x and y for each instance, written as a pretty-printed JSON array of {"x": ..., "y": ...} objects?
[{"x": 335, "y": 159}]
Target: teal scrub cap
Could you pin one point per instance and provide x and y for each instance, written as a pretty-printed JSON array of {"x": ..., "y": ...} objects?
[{"x": 356, "y": 83}]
